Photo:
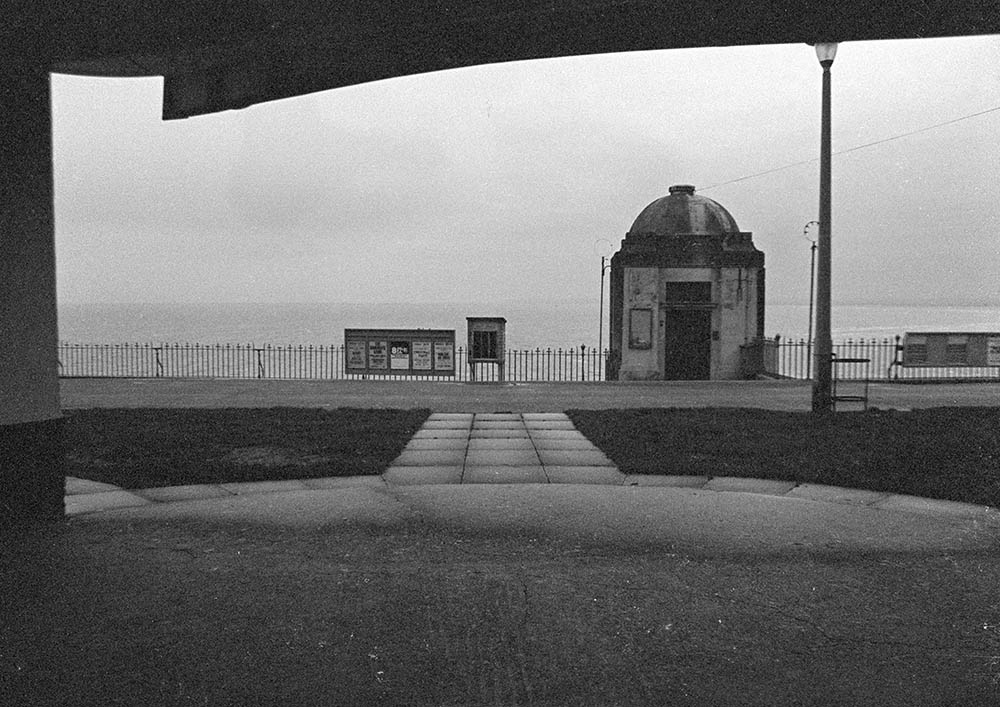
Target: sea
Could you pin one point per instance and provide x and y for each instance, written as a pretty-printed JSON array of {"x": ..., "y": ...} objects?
[{"x": 530, "y": 325}]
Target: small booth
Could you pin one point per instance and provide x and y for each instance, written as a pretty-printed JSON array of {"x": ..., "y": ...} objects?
[
  {"x": 412, "y": 352},
  {"x": 687, "y": 294},
  {"x": 487, "y": 344}
]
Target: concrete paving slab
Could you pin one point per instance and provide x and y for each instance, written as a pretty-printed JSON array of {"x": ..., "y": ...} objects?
[
  {"x": 563, "y": 443},
  {"x": 500, "y": 443},
  {"x": 343, "y": 482},
  {"x": 440, "y": 434},
  {"x": 188, "y": 492},
  {"x": 604, "y": 475},
  {"x": 497, "y": 424},
  {"x": 254, "y": 487},
  {"x": 544, "y": 416},
  {"x": 105, "y": 501},
  {"x": 502, "y": 457},
  {"x": 425, "y": 443},
  {"x": 556, "y": 434},
  {"x": 75, "y": 486},
  {"x": 549, "y": 425},
  {"x": 504, "y": 475},
  {"x": 932, "y": 506},
  {"x": 762, "y": 486},
  {"x": 451, "y": 416},
  {"x": 416, "y": 475},
  {"x": 497, "y": 416},
  {"x": 430, "y": 457},
  {"x": 836, "y": 494},
  {"x": 691, "y": 482},
  {"x": 498, "y": 434},
  {"x": 573, "y": 457},
  {"x": 446, "y": 425}
]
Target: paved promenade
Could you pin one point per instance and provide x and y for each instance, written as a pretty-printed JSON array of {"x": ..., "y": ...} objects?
[{"x": 488, "y": 398}]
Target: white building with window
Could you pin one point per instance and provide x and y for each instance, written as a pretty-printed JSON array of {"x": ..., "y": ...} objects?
[{"x": 687, "y": 293}]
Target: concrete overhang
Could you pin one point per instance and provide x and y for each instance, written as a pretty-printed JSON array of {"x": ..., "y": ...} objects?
[{"x": 219, "y": 55}]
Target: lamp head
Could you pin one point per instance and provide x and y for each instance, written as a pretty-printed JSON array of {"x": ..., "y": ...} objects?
[{"x": 825, "y": 52}]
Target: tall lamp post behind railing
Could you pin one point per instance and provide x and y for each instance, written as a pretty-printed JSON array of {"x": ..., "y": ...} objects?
[
  {"x": 812, "y": 287},
  {"x": 605, "y": 264},
  {"x": 602, "y": 247},
  {"x": 822, "y": 393}
]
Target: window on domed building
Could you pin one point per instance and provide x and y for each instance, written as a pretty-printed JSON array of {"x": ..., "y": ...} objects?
[{"x": 677, "y": 292}]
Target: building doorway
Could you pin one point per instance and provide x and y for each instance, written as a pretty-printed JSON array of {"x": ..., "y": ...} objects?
[{"x": 687, "y": 351}]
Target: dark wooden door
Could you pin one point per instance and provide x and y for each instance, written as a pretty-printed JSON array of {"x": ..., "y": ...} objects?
[{"x": 687, "y": 345}]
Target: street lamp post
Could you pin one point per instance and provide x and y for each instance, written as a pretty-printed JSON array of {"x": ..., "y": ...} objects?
[
  {"x": 600, "y": 334},
  {"x": 812, "y": 295},
  {"x": 822, "y": 400}
]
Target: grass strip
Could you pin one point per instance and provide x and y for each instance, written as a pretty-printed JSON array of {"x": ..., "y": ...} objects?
[
  {"x": 149, "y": 447},
  {"x": 945, "y": 453}
]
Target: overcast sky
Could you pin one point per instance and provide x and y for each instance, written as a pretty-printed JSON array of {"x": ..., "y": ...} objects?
[{"x": 510, "y": 181}]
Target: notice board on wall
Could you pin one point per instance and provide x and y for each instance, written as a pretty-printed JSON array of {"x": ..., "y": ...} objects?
[
  {"x": 416, "y": 352},
  {"x": 951, "y": 349}
]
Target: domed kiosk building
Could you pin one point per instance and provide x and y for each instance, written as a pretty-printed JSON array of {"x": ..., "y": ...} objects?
[{"x": 687, "y": 294}]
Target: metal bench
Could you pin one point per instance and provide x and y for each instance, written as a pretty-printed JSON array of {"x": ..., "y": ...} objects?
[{"x": 836, "y": 394}]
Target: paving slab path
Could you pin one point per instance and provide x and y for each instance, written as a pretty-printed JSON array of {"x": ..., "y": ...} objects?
[{"x": 501, "y": 448}]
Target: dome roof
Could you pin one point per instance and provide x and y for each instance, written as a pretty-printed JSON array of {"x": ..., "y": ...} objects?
[{"x": 682, "y": 212}]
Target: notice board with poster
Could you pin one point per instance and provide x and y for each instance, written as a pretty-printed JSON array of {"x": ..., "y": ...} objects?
[
  {"x": 950, "y": 348},
  {"x": 412, "y": 352}
]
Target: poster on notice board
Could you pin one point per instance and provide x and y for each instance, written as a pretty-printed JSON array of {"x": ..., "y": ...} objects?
[
  {"x": 444, "y": 356},
  {"x": 421, "y": 355},
  {"x": 399, "y": 355},
  {"x": 377, "y": 355},
  {"x": 356, "y": 353},
  {"x": 993, "y": 351}
]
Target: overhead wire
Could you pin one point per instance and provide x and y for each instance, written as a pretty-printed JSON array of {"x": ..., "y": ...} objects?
[{"x": 853, "y": 149}]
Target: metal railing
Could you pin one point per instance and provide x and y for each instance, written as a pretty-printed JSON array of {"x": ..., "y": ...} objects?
[
  {"x": 304, "y": 362},
  {"x": 884, "y": 356},
  {"x": 781, "y": 357}
]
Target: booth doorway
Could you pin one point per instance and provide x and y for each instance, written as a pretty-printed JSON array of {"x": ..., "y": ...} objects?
[{"x": 687, "y": 351}]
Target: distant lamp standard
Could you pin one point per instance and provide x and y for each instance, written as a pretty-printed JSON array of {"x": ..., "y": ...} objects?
[
  {"x": 812, "y": 286},
  {"x": 605, "y": 264},
  {"x": 822, "y": 401}
]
